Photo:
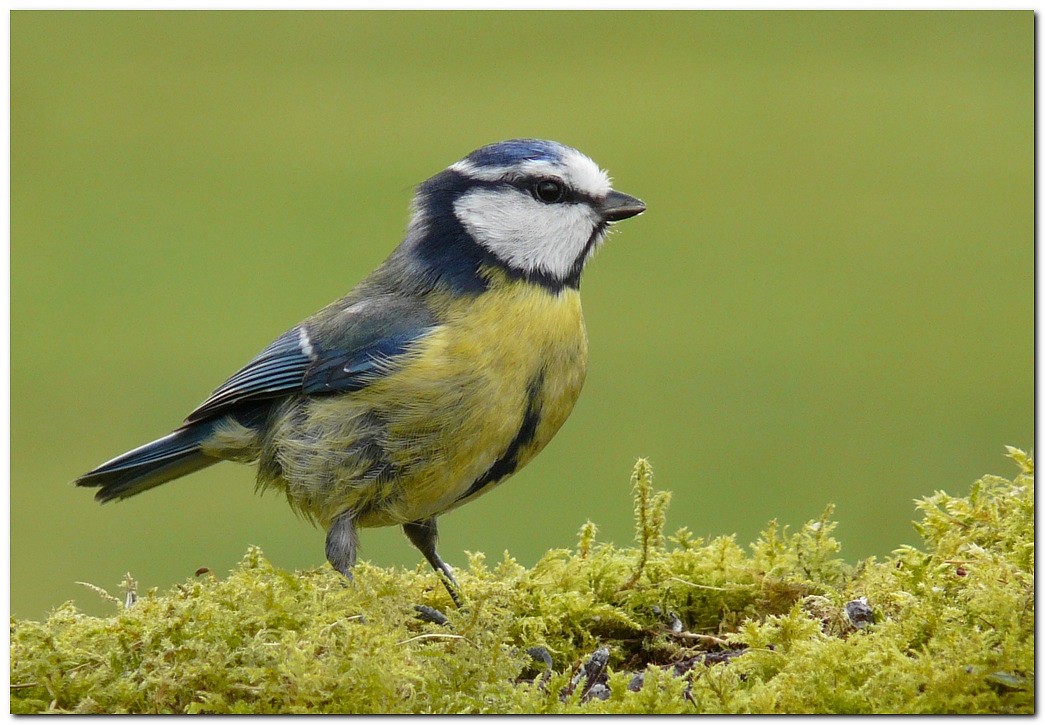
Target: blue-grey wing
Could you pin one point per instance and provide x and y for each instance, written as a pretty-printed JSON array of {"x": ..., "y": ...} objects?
[
  {"x": 277, "y": 370},
  {"x": 345, "y": 371},
  {"x": 335, "y": 351}
]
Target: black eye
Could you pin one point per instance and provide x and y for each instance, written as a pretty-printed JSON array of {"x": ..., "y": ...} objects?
[{"x": 549, "y": 190}]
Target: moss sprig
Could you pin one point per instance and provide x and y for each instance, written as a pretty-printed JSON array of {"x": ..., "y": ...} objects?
[{"x": 651, "y": 508}]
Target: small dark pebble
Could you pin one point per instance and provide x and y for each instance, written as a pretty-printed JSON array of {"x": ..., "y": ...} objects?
[
  {"x": 637, "y": 681},
  {"x": 591, "y": 673},
  {"x": 539, "y": 670},
  {"x": 672, "y": 620},
  {"x": 540, "y": 654},
  {"x": 859, "y": 612},
  {"x": 431, "y": 614},
  {"x": 594, "y": 678},
  {"x": 682, "y": 667},
  {"x": 596, "y": 664},
  {"x": 723, "y": 657},
  {"x": 598, "y": 691},
  {"x": 674, "y": 623}
]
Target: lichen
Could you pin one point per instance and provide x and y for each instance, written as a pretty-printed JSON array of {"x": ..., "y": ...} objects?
[{"x": 674, "y": 625}]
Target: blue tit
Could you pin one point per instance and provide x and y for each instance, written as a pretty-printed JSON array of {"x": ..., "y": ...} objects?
[{"x": 436, "y": 378}]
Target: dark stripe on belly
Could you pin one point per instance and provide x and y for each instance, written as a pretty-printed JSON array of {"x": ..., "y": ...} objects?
[{"x": 509, "y": 460}]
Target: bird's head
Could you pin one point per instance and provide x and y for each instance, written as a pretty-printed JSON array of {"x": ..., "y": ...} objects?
[{"x": 534, "y": 209}]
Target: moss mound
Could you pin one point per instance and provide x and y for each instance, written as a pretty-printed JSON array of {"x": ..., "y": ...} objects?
[{"x": 675, "y": 624}]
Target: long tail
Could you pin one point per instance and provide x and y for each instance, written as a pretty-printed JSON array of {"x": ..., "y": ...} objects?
[{"x": 165, "y": 459}]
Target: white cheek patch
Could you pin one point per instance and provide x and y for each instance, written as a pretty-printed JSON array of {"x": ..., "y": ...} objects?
[{"x": 523, "y": 232}]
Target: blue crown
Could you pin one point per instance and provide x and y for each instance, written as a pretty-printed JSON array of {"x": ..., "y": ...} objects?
[{"x": 509, "y": 153}]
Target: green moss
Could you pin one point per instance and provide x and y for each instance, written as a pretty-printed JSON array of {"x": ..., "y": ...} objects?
[{"x": 673, "y": 625}]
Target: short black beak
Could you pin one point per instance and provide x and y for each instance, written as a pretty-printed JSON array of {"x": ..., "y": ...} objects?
[{"x": 617, "y": 206}]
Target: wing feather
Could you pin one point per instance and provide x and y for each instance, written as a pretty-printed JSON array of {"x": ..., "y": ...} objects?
[{"x": 336, "y": 351}]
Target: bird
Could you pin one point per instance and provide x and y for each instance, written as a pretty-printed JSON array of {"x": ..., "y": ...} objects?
[{"x": 437, "y": 377}]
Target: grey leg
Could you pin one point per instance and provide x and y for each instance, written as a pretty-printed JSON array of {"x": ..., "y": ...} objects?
[
  {"x": 423, "y": 535},
  {"x": 342, "y": 543}
]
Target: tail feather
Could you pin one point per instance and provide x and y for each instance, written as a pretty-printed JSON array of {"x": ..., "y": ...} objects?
[{"x": 173, "y": 456}]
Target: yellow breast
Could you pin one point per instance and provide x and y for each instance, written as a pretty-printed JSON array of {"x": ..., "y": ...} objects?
[{"x": 469, "y": 405}]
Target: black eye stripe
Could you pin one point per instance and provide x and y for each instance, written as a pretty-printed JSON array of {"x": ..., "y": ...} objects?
[
  {"x": 462, "y": 184},
  {"x": 569, "y": 194}
]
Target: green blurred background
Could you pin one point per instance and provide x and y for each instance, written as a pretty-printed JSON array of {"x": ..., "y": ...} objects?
[{"x": 829, "y": 300}]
